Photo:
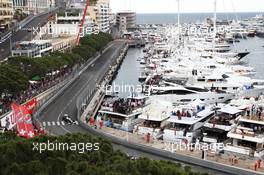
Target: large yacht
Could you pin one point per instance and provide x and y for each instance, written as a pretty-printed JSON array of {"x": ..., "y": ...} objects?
[
  {"x": 178, "y": 94},
  {"x": 122, "y": 113},
  {"x": 247, "y": 138},
  {"x": 223, "y": 121},
  {"x": 154, "y": 118},
  {"x": 185, "y": 123}
]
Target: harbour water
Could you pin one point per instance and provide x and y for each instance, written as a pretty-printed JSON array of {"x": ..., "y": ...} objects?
[
  {"x": 130, "y": 69},
  {"x": 129, "y": 72},
  {"x": 189, "y": 17},
  {"x": 256, "y": 57}
]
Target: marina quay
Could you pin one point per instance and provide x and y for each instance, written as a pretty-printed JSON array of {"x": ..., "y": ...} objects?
[{"x": 132, "y": 87}]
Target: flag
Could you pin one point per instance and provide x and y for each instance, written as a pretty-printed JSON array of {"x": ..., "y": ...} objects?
[
  {"x": 27, "y": 122},
  {"x": 17, "y": 115},
  {"x": 23, "y": 121},
  {"x": 31, "y": 105}
]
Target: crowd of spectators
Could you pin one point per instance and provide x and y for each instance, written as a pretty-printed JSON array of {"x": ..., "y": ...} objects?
[
  {"x": 124, "y": 106},
  {"x": 34, "y": 89}
]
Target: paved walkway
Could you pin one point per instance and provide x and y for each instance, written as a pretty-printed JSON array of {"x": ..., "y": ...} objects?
[{"x": 222, "y": 158}]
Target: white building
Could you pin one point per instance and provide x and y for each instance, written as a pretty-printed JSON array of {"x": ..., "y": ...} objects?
[
  {"x": 34, "y": 48},
  {"x": 69, "y": 25},
  {"x": 6, "y": 13},
  {"x": 100, "y": 14},
  {"x": 126, "y": 20},
  {"x": 63, "y": 44}
]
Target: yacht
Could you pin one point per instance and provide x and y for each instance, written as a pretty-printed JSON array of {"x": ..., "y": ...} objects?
[
  {"x": 122, "y": 113},
  {"x": 239, "y": 32},
  {"x": 178, "y": 94},
  {"x": 230, "y": 82},
  {"x": 217, "y": 48},
  {"x": 186, "y": 121},
  {"x": 161, "y": 47},
  {"x": 154, "y": 118},
  {"x": 247, "y": 138},
  {"x": 223, "y": 121}
]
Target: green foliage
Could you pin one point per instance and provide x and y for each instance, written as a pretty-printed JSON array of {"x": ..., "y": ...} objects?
[
  {"x": 18, "y": 158},
  {"x": 12, "y": 79},
  {"x": 17, "y": 71},
  {"x": 19, "y": 15},
  {"x": 61, "y": 13},
  {"x": 91, "y": 44}
]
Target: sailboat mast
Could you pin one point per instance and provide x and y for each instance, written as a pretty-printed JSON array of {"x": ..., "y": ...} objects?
[
  {"x": 215, "y": 1},
  {"x": 179, "y": 32}
]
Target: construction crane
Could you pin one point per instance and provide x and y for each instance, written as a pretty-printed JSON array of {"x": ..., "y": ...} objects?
[{"x": 82, "y": 22}]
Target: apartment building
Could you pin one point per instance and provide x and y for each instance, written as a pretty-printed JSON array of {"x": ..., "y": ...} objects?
[
  {"x": 100, "y": 14},
  {"x": 63, "y": 44},
  {"x": 6, "y": 14},
  {"x": 126, "y": 20}
]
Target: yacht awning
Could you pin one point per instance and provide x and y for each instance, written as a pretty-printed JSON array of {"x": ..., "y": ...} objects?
[{"x": 230, "y": 110}]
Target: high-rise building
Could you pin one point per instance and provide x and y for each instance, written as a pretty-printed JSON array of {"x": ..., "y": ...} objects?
[
  {"x": 21, "y": 5},
  {"x": 6, "y": 14},
  {"x": 98, "y": 11},
  {"x": 100, "y": 14},
  {"x": 126, "y": 20}
]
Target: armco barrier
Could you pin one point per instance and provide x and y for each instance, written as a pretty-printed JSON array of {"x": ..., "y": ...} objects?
[
  {"x": 49, "y": 95},
  {"x": 48, "y": 101},
  {"x": 86, "y": 96},
  {"x": 42, "y": 98},
  {"x": 76, "y": 74}
]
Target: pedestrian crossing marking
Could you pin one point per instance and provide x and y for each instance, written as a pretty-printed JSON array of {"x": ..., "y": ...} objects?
[{"x": 57, "y": 123}]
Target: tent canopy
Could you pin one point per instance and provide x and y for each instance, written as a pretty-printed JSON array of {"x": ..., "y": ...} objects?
[{"x": 36, "y": 78}]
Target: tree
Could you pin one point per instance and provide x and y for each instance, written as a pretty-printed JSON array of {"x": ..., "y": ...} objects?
[
  {"x": 18, "y": 158},
  {"x": 12, "y": 80}
]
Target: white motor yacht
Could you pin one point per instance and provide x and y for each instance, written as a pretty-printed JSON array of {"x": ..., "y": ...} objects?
[
  {"x": 185, "y": 122},
  {"x": 177, "y": 94}
]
